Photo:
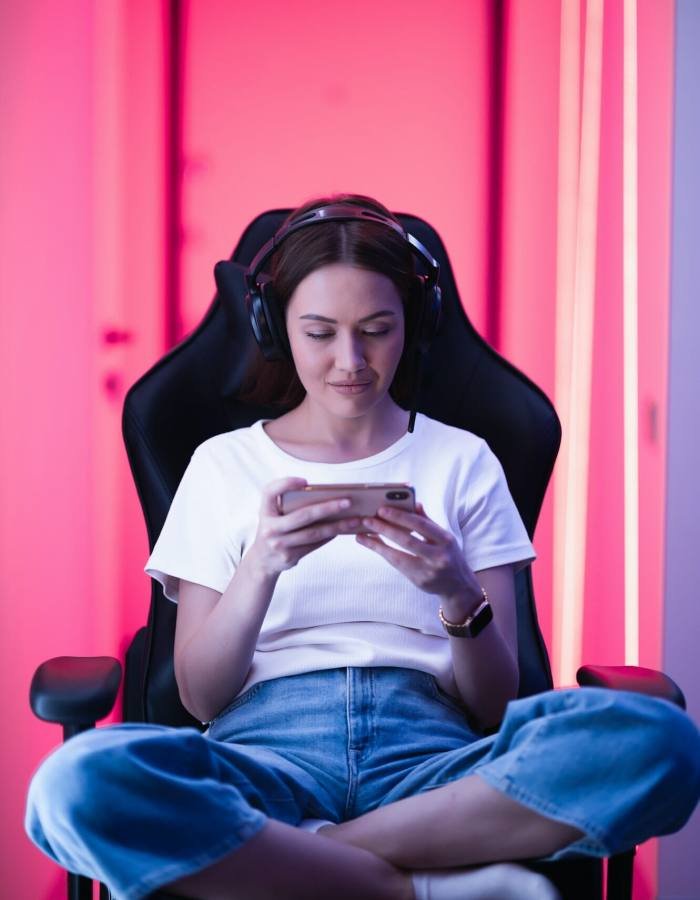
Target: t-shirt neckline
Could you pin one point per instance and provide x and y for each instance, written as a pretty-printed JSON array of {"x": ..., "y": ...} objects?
[{"x": 387, "y": 453}]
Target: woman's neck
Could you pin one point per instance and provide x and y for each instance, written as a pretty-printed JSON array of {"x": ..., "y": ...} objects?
[{"x": 313, "y": 433}]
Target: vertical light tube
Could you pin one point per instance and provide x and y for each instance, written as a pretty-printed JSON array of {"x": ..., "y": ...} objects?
[
  {"x": 575, "y": 468},
  {"x": 630, "y": 331},
  {"x": 567, "y": 202}
]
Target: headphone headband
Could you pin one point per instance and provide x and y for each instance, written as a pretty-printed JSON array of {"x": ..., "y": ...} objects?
[{"x": 340, "y": 212}]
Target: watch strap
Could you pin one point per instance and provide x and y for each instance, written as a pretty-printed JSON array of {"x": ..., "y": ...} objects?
[{"x": 475, "y": 622}]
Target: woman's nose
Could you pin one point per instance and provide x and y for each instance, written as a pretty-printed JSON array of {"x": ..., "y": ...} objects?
[{"x": 350, "y": 354}]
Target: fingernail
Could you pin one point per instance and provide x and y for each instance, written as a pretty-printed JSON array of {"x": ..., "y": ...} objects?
[{"x": 344, "y": 504}]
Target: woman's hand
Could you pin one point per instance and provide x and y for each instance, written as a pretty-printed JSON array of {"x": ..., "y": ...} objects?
[
  {"x": 434, "y": 562},
  {"x": 282, "y": 540}
]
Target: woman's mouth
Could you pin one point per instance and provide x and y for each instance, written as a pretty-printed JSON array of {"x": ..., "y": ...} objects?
[{"x": 351, "y": 387}]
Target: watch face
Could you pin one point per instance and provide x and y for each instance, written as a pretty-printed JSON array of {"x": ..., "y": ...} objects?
[{"x": 480, "y": 620}]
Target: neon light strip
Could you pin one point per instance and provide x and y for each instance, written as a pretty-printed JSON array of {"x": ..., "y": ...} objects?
[
  {"x": 630, "y": 331},
  {"x": 577, "y": 461},
  {"x": 568, "y": 168}
]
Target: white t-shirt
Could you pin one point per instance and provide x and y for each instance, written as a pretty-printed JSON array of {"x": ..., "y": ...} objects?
[{"x": 342, "y": 604}]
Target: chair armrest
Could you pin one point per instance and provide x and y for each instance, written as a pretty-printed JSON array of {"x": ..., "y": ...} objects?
[
  {"x": 632, "y": 678},
  {"x": 75, "y": 690}
]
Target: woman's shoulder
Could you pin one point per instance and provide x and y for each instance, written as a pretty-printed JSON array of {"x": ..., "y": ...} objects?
[
  {"x": 228, "y": 445},
  {"x": 451, "y": 437}
]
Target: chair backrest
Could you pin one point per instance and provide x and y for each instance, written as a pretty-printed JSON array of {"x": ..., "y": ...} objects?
[{"x": 190, "y": 395}]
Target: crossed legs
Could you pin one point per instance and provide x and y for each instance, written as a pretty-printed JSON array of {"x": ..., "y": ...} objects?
[
  {"x": 466, "y": 822},
  {"x": 463, "y": 823},
  {"x": 76, "y": 791}
]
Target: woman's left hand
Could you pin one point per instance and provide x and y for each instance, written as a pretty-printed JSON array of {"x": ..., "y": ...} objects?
[{"x": 434, "y": 562}]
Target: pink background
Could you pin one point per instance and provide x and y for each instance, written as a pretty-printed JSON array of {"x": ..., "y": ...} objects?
[{"x": 283, "y": 101}]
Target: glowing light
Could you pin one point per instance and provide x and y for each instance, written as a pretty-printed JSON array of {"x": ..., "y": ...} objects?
[
  {"x": 630, "y": 331},
  {"x": 573, "y": 495},
  {"x": 568, "y": 168}
]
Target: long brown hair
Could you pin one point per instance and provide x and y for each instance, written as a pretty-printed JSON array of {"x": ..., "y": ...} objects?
[{"x": 363, "y": 243}]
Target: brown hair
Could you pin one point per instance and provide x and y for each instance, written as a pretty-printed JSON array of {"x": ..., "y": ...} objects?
[{"x": 363, "y": 243}]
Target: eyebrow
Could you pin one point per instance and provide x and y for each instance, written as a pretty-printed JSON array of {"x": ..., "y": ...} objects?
[{"x": 316, "y": 318}]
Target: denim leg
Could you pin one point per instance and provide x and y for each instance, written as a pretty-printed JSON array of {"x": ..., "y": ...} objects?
[
  {"x": 138, "y": 806},
  {"x": 620, "y": 766}
]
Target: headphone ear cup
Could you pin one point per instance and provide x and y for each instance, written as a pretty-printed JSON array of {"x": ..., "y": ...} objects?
[
  {"x": 259, "y": 324},
  {"x": 278, "y": 342}
]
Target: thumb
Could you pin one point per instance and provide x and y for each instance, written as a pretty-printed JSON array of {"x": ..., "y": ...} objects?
[{"x": 272, "y": 491}]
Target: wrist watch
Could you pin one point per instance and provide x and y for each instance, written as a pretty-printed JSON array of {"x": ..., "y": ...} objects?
[{"x": 475, "y": 622}]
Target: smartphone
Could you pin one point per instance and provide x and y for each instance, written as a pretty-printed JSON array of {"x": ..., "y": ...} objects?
[{"x": 366, "y": 499}]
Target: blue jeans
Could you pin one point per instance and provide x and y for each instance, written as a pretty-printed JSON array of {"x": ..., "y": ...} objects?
[{"x": 138, "y": 806}]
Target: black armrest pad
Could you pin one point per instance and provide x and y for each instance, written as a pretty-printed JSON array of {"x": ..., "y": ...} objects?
[
  {"x": 75, "y": 690},
  {"x": 632, "y": 678}
]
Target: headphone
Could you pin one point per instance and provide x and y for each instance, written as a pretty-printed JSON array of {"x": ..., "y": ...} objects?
[{"x": 265, "y": 311}]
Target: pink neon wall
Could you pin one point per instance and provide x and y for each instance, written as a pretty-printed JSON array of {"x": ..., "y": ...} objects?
[
  {"x": 377, "y": 98},
  {"x": 46, "y": 576},
  {"x": 283, "y": 101},
  {"x": 81, "y": 161}
]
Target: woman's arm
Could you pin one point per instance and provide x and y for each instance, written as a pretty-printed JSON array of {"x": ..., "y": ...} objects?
[
  {"x": 215, "y": 637},
  {"x": 216, "y": 634},
  {"x": 486, "y": 667}
]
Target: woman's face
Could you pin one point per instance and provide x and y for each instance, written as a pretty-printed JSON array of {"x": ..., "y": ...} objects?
[{"x": 346, "y": 332}]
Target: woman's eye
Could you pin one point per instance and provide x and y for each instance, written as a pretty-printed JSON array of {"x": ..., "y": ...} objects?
[{"x": 322, "y": 335}]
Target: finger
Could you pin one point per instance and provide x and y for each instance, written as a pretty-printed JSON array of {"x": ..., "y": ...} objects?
[
  {"x": 307, "y": 548},
  {"x": 421, "y": 524},
  {"x": 321, "y": 532},
  {"x": 314, "y": 512},
  {"x": 401, "y": 536},
  {"x": 274, "y": 488},
  {"x": 404, "y": 562}
]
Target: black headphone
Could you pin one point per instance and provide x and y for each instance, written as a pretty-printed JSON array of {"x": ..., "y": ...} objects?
[
  {"x": 265, "y": 311},
  {"x": 266, "y": 317}
]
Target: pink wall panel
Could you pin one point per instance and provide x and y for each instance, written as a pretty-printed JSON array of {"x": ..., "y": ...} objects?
[
  {"x": 529, "y": 223},
  {"x": 80, "y": 253},
  {"x": 287, "y": 101},
  {"x": 45, "y": 369},
  {"x": 656, "y": 64}
]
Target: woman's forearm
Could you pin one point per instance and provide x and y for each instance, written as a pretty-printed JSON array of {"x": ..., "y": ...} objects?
[
  {"x": 486, "y": 674},
  {"x": 214, "y": 663}
]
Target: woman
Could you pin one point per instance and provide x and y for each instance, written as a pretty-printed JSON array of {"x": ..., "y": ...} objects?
[{"x": 338, "y": 695}]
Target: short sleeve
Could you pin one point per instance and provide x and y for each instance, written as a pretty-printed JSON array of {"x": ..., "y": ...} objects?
[
  {"x": 492, "y": 530},
  {"x": 196, "y": 540}
]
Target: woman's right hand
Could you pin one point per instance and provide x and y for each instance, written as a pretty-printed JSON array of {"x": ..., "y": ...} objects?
[{"x": 282, "y": 540}]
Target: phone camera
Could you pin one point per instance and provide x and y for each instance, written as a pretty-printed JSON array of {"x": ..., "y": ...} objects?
[{"x": 397, "y": 495}]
